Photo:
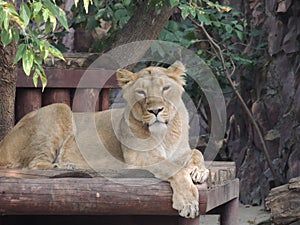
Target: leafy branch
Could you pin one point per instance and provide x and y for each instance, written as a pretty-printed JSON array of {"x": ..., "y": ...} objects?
[{"x": 30, "y": 26}]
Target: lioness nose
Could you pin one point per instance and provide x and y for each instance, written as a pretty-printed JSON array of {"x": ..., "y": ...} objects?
[{"x": 155, "y": 111}]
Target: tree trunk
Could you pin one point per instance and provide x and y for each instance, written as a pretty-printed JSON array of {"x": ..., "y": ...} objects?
[
  {"x": 7, "y": 88},
  {"x": 145, "y": 24}
]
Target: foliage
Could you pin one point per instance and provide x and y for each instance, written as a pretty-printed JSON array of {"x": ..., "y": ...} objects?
[
  {"x": 30, "y": 25},
  {"x": 228, "y": 28},
  {"x": 116, "y": 12}
]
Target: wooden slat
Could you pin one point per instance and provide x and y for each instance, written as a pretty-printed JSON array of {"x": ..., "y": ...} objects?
[
  {"x": 72, "y": 78},
  {"x": 104, "y": 96},
  {"x": 27, "y": 100},
  {"x": 86, "y": 100},
  {"x": 56, "y": 95}
]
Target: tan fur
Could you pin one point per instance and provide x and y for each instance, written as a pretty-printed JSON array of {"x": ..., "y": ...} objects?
[{"x": 151, "y": 132}]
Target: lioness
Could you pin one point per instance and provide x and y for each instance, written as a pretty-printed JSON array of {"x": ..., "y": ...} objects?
[{"x": 151, "y": 132}]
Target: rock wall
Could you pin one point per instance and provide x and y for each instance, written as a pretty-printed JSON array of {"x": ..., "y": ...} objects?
[{"x": 272, "y": 91}]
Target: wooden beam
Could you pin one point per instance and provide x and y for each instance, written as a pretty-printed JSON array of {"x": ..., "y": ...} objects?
[
  {"x": 72, "y": 78},
  {"x": 220, "y": 194},
  {"x": 87, "y": 196}
]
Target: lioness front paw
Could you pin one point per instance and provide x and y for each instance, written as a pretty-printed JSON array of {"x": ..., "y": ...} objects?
[
  {"x": 189, "y": 210},
  {"x": 187, "y": 203},
  {"x": 196, "y": 167},
  {"x": 199, "y": 175}
]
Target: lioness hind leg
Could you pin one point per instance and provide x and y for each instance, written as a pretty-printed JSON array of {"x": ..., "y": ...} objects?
[
  {"x": 185, "y": 194},
  {"x": 196, "y": 167}
]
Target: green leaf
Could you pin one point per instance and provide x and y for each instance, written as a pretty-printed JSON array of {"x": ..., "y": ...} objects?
[
  {"x": 38, "y": 18},
  {"x": 44, "y": 49},
  {"x": 174, "y": 3},
  {"x": 35, "y": 77},
  {"x": 202, "y": 17},
  {"x": 47, "y": 27},
  {"x": 27, "y": 61},
  {"x": 58, "y": 12},
  {"x": 1, "y": 16},
  {"x": 45, "y": 14},
  {"x": 52, "y": 20},
  {"x": 37, "y": 7},
  {"x": 55, "y": 52},
  {"x": 120, "y": 13},
  {"x": 126, "y": 2},
  {"x": 239, "y": 27},
  {"x": 15, "y": 34},
  {"x": 20, "y": 52},
  {"x": 43, "y": 79},
  {"x": 100, "y": 13},
  {"x": 6, "y": 37},
  {"x": 216, "y": 24},
  {"x": 239, "y": 34},
  {"x": 25, "y": 13},
  {"x": 192, "y": 11},
  {"x": 184, "y": 11},
  {"x": 6, "y": 20},
  {"x": 228, "y": 28}
]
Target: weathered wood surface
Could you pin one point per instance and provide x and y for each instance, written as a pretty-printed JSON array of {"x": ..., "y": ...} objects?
[
  {"x": 27, "y": 100},
  {"x": 284, "y": 203},
  {"x": 133, "y": 192},
  {"x": 72, "y": 78},
  {"x": 87, "y": 196},
  {"x": 101, "y": 196},
  {"x": 220, "y": 173}
]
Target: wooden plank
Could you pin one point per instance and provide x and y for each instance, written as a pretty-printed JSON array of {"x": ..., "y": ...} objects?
[
  {"x": 104, "y": 99},
  {"x": 72, "y": 78},
  {"x": 27, "y": 100},
  {"x": 86, "y": 100},
  {"x": 56, "y": 95},
  {"x": 86, "y": 196}
]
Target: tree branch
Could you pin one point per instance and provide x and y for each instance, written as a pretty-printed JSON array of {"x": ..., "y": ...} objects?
[{"x": 241, "y": 100}]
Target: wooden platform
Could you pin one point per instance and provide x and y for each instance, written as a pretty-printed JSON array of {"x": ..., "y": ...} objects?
[{"x": 106, "y": 197}]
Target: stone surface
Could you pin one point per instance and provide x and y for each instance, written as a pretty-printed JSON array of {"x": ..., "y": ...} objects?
[{"x": 275, "y": 103}]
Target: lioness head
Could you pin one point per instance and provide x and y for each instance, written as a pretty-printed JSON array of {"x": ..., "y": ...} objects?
[{"x": 154, "y": 93}]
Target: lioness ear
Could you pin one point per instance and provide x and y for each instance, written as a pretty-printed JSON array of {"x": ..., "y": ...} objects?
[
  {"x": 124, "y": 77},
  {"x": 177, "y": 72}
]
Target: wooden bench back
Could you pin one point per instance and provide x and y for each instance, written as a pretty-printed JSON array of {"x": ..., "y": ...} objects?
[{"x": 90, "y": 86}]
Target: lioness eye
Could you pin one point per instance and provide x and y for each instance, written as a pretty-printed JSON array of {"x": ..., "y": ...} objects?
[
  {"x": 166, "y": 88},
  {"x": 141, "y": 92}
]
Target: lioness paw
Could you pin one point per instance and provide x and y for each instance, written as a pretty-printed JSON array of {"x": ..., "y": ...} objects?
[
  {"x": 189, "y": 210},
  {"x": 186, "y": 201},
  {"x": 199, "y": 175}
]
